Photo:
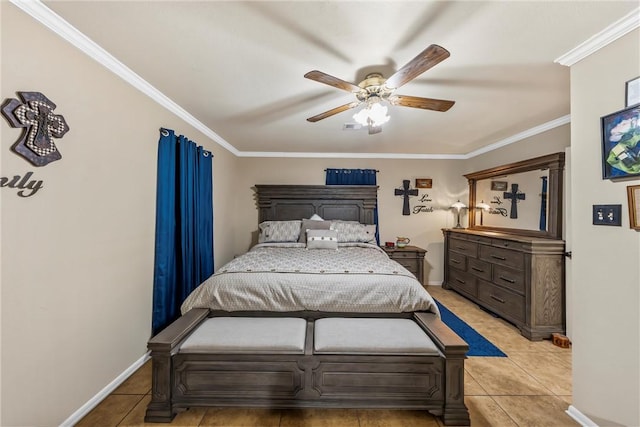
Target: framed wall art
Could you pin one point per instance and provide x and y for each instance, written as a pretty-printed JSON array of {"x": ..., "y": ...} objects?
[
  {"x": 632, "y": 92},
  {"x": 633, "y": 194},
  {"x": 620, "y": 143},
  {"x": 424, "y": 182},
  {"x": 499, "y": 185}
]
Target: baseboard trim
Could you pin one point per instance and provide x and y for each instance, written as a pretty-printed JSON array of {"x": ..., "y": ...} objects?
[
  {"x": 102, "y": 394},
  {"x": 436, "y": 283},
  {"x": 579, "y": 417}
]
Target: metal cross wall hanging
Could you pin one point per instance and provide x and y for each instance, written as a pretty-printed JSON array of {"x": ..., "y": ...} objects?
[
  {"x": 514, "y": 195},
  {"x": 405, "y": 192},
  {"x": 35, "y": 115}
]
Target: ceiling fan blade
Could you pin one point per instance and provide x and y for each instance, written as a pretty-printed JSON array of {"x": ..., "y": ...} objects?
[
  {"x": 374, "y": 129},
  {"x": 325, "y": 78},
  {"x": 424, "y": 103},
  {"x": 429, "y": 57},
  {"x": 333, "y": 111}
]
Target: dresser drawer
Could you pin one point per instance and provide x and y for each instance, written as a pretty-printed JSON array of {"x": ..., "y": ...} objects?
[
  {"x": 511, "y": 244},
  {"x": 464, "y": 247},
  {"x": 463, "y": 282},
  {"x": 480, "y": 239},
  {"x": 504, "y": 302},
  {"x": 458, "y": 261},
  {"x": 500, "y": 256},
  {"x": 478, "y": 268},
  {"x": 509, "y": 278}
]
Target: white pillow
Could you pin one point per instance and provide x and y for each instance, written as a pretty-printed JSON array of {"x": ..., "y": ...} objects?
[
  {"x": 279, "y": 231},
  {"x": 322, "y": 239},
  {"x": 316, "y": 217},
  {"x": 309, "y": 224},
  {"x": 353, "y": 231}
]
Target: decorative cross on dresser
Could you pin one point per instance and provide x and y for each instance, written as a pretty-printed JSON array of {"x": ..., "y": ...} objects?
[
  {"x": 514, "y": 196},
  {"x": 406, "y": 192}
]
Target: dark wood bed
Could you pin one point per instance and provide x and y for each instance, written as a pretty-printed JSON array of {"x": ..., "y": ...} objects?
[{"x": 404, "y": 381}]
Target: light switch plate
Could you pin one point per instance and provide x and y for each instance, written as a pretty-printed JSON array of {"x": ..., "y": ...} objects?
[{"x": 607, "y": 215}]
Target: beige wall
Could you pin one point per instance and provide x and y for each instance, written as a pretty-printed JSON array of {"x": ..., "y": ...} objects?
[
  {"x": 77, "y": 257},
  {"x": 606, "y": 271}
]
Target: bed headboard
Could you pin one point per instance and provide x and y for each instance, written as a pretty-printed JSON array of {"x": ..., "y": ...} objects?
[{"x": 289, "y": 202}]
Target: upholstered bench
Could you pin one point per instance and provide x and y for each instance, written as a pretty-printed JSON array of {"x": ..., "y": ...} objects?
[
  {"x": 338, "y": 335},
  {"x": 292, "y": 362},
  {"x": 255, "y": 335}
]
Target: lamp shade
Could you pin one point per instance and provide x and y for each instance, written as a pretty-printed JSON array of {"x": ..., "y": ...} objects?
[
  {"x": 483, "y": 205},
  {"x": 458, "y": 205}
]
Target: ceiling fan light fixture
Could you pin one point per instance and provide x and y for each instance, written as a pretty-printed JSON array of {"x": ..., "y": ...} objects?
[{"x": 374, "y": 114}]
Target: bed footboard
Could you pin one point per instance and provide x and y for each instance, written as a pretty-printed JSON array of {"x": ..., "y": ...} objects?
[
  {"x": 454, "y": 349},
  {"x": 314, "y": 369},
  {"x": 162, "y": 347}
]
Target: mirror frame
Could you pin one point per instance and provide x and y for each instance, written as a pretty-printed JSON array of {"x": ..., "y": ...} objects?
[{"x": 555, "y": 164}]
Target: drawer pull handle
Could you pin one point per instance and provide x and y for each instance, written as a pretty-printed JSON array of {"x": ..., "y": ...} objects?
[
  {"x": 506, "y": 279},
  {"x": 455, "y": 261},
  {"x": 477, "y": 269},
  {"x": 460, "y": 281},
  {"x": 498, "y": 257},
  {"x": 460, "y": 247},
  {"x": 497, "y": 299}
]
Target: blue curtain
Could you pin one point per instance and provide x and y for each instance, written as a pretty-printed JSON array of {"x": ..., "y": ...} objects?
[
  {"x": 355, "y": 177},
  {"x": 543, "y": 205},
  {"x": 184, "y": 224}
]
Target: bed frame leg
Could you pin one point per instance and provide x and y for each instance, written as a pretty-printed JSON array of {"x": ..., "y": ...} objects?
[
  {"x": 160, "y": 409},
  {"x": 455, "y": 411}
]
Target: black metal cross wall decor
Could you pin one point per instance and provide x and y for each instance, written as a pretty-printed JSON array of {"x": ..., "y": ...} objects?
[
  {"x": 406, "y": 192},
  {"x": 514, "y": 196}
]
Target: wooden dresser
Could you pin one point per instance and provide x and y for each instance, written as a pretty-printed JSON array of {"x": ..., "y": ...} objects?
[
  {"x": 519, "y": 278},
  {"x": 410, "y": 257}
]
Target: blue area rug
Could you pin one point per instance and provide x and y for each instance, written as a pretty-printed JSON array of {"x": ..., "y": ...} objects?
[{"x": 478, "y": 345}]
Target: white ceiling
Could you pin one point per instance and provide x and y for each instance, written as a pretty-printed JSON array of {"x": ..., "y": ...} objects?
[{"x": 238, "y": 66}]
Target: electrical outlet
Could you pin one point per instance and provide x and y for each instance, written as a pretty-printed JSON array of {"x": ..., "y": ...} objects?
[{"x": 607, "y": 215}]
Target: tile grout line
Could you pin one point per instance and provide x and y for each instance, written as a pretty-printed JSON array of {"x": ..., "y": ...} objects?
[
  {"x": 505, "y": 411},
  {"x": 132, "y": 408},
  {"x": 534, "y": 377}
]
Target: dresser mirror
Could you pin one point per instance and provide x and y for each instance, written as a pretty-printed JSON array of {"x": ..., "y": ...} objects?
[{"x": 523, "y": 198}]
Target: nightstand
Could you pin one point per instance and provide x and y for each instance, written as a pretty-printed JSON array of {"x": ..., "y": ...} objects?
[{"x": 411, "y": 258}]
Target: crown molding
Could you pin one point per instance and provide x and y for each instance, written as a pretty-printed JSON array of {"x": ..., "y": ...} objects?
[
  {"x": 624, "y": 25},
  {"x": 53, "y": 21},
  {"x": 47, "y": 17},
  {"x": 397, "y": 156},
  {"x": 522, "y": 135}
]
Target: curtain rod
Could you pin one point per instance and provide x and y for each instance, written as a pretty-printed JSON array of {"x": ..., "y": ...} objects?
[{"x": 349, "y": 169}]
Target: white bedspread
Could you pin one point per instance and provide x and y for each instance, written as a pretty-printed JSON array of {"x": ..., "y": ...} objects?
[{"x": 288, "y": 277}]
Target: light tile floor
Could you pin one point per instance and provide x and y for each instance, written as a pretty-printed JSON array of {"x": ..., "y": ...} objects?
[{"x": 530, "y": 387}]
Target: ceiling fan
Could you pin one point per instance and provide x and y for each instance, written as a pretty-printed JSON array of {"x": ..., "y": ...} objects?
[{"x": 375, "y": 88}]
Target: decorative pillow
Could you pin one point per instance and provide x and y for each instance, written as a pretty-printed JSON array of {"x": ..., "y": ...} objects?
[
  {"x": 279, "y": 231},
  {"x": 370, "y": 231},
  {"x": 322, "y": 239},
  {"x": 316, "y": 217},
  {"x": 353, "y": 231},
  {"x": 309, "y": 224}
]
